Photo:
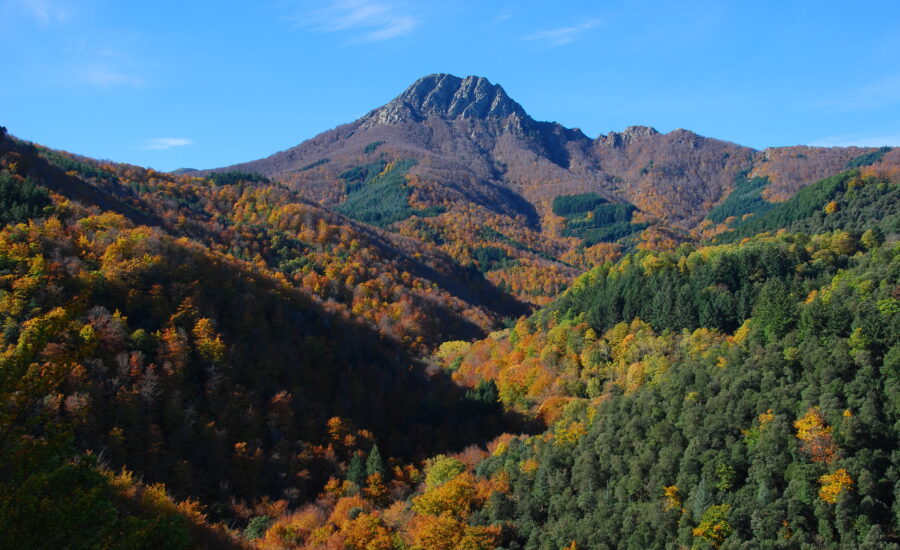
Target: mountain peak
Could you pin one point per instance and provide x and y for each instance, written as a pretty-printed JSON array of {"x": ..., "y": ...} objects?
[{"x": 449, "y": 97}]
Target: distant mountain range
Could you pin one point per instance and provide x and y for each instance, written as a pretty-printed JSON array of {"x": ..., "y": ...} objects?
[{"x": 477, "y": 145}]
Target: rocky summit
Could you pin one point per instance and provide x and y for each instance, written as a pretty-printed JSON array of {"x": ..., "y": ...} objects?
[{"x": 449, "y": 97}]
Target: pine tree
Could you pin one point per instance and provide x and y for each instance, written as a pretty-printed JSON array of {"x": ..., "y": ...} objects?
[
  {"x": 356, "y": 471},
  {"x": 375, "y": 463}
]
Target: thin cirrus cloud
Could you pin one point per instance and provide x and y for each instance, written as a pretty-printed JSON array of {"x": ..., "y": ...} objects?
[
  {"x": 859, "y": 140},
  {"x": 366, "y": 20},
  {"x": 44, "y": 12},
  {"x": 563, "y": 35},
  {"x": 111, "y": 62},
  {"x": 877, "y": 94},
  {"x": 87, "y": 58},
  {"x": 104, "y": 77},
  {"x": 161, "y": 144}
]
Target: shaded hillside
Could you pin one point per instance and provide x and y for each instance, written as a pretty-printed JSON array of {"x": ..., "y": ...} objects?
[
  {"x": 404, "y": 288},
  {"x": 226, "y": 351}
]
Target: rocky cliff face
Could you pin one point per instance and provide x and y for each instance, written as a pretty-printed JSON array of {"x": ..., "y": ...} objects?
[{"x": 448, "y": 97}]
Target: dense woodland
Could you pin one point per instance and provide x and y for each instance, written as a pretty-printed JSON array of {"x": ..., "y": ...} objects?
[
  {"x": 137, "y": 344},
  {"x": 218, "y": 362}
]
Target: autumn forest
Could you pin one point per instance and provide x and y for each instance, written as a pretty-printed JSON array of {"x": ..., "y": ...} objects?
[{"x": 449, "y": 326}]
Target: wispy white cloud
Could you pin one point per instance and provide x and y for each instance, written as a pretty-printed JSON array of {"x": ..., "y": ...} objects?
[
  {"x": 366, "y": 20},
  {"x": 859, "y": 140},
  {"x": 166, "y": 143},
  {"x": 563, "y": 35},
  {"x": 77, "y": 51},
  {"x": 503, "y": 16},
  {"x": 873, "y": 95},
  {"x": 44, "y": 12},
  {"x": 111, "y": 62},
  {"x": 105, "y": 77}
]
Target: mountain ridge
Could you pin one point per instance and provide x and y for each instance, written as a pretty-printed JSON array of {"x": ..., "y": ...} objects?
[{"x": 478, "y": 145}]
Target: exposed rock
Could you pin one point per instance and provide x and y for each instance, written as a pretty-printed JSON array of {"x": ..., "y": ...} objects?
[
  {"x": 449, "y": 97},
  {"x": 628, "y": 135},
  {"x": 633, "y": 132}
]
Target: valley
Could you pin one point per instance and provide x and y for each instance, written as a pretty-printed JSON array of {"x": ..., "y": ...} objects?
[{"x": 446, "y": 325}]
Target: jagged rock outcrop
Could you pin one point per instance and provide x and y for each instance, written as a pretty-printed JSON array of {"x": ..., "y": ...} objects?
[
  {"x": 626, "y": 136},
  {"x": 449, "y": 97}
]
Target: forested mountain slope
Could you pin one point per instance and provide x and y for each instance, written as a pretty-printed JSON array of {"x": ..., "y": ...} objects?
[
  {"x": 734, "y": 396},
  {"x": 779, "y": 434},
  {"x": 241, "y": 367},
  {"x": 401, "y": 286}
]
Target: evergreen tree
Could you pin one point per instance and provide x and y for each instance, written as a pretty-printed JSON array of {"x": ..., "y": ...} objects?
[
  {"x": 375, "y": 463},
  {"x": 356, "y": 471}
]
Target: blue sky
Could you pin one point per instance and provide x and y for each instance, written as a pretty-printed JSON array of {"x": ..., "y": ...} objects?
[{"x": 203, "y": 84}]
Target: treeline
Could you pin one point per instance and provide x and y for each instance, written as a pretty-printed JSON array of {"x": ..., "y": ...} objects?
[
  {"x": 234, "y": 177},
  {"x": 716, "y": 288},
  {"x": 21, "y": 200},
  {"x": 567, "y": 205}
]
